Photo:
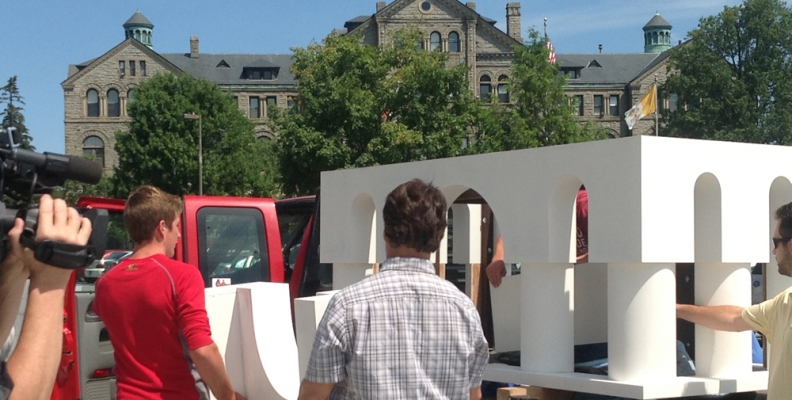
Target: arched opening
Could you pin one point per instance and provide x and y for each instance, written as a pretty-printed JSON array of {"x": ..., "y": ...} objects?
[
  {"x": 113, "y": 105},
  {"x": 503, "y": 89},
  {"x": 92, "y": 100},
  {"x": 453, "y": 42},
  {"x": 435, "y": 44},
  {"x": 137, "y": 35},
  {"x": 485, "y": 88},
  {"x": 93, "y": 149}
]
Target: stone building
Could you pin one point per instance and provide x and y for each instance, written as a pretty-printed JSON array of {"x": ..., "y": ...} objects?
[
  {"x": 97, "y": 91},
  {"x": 602, "y": 85}
]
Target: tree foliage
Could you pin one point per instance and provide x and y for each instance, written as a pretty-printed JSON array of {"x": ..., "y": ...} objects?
[
  {"x": 539, "y": 113},
  {"x": 12, "y": 115},
  {"x": 362, "y": 105},
  {"x": 161, "y": 146},
  {"x": 733, "y": 81}
]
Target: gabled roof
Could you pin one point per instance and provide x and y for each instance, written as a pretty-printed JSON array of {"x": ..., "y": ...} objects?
[
  {"x": 488, "y": 25},
  {"x": 78, "y": 70},
  {"x": 613, "y": 68},
  {"x": 138, "y": 19},
  {"x": 354, "y": 22},
  {"x": 205, "y": 66},
  {"x": 657, "y": 22}
]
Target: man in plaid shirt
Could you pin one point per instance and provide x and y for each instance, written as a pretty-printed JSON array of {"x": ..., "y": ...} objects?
[{"x": 403, "y": 333}]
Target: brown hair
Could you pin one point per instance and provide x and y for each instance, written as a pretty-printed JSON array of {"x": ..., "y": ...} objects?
[
  {"x": 145, "y": 208},
  {"x": 784, "y": 216},
  {"x": 415, "y": 216}
]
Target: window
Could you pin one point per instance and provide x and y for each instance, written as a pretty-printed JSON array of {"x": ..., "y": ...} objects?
[
  {"x": 570, "y": 73},
  {"x": 503, "y": 89},
  {"x": 485, "y": 88},
  {"x": 137, "y": 35},
  {"x": 453, "y": 42},
  {"x": 132, "y": 67},
  {"x": 130, "y": 95},
  {"x": 255, "y": 110},
  {"x": 121, "y": 69},
  {"x": 272, "y": 102},
  {"x": 142, "y": 68},
  {"x": 93, "y": 103},
  {"x": 290, "y": 102},
  {"x": 260, "y": 73},
  {"x": 93, "y": 149},
  {"x": 598, "y": 105},
  {"x": 236, "y": 101},
  {"x": 113, "y": 109},
  {"x": 673, "y": 102},
  {"x": 434, "y": 42},
  {"x": 426, "y": 6},
  {"x": 613, "y": 105},
  {"x": 579, "y": 105},
  {"x": 234, "y": 246}
]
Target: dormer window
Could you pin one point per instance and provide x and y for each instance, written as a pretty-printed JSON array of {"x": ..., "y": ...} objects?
[
  {"x": 260, "y": 73},
  {"x": 570, "y": 73}
]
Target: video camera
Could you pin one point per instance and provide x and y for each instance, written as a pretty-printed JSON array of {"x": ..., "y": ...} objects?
[{"x": 25, "y": 173}]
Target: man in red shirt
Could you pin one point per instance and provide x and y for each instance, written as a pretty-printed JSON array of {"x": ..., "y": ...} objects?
[{"x": 154, "y": 310}]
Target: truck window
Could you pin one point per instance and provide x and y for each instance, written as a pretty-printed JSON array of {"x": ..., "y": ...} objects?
[{"x": 233, "y": 246}]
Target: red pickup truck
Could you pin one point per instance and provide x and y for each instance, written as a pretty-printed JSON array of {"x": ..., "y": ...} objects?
[{"x": 230, "y": 240}]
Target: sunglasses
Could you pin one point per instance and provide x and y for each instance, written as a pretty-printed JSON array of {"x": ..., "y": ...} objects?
[{"x": 776, "y": 241}]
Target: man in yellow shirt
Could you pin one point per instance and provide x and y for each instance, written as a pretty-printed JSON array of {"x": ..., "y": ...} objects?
[{"x": 773, "y": 317}]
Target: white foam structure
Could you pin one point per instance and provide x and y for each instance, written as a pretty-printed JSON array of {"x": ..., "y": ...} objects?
[
  {"x": 653, "y": 202},
  {"x": 252, "y": 327},
  {"x": 308, "y": 312}
]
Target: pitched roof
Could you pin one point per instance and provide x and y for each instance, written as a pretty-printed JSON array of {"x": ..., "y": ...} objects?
[
  {"x": 657, "y": 22},
  {"x": 613, "y": 68},
  {"x": 138, "y": 19},
  {"x": 206, "y": 67}
]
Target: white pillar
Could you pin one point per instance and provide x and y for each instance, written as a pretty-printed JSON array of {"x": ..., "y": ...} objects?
[
  {"x": 347, "y": 274},
  {"x": 722, "y": 354},
  {"x": 547, "y": 317},
  {"x": 641, "y": 322},
  {"x": 308, "y": 312}
]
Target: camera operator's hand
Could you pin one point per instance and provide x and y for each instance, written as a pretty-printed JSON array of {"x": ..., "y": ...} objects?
[
  {"x": 57, "y": 222},
  {"x": 34, "y": 364}
]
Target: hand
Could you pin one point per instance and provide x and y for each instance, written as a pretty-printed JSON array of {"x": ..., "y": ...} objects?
[
  {"x": 495, "y": 271},
  {"x": 239, "y": 396},
  {"x": 58, "y": 222}
]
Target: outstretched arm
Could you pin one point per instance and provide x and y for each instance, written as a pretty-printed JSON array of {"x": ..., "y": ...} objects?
[{"x": 722, "y": 318}]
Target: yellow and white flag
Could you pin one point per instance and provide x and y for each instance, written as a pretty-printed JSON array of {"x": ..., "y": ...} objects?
[{"x": 646, "y": 106}]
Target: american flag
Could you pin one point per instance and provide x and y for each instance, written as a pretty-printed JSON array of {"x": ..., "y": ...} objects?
[{"x": 551, "y": 56}]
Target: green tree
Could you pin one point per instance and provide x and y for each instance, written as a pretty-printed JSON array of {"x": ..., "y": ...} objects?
[
  {"x": 73, "y": 190},
  {"x": 12, "y": 115},
  {"x": 732, "y": 78},
  {"x": 539, "y": 113},
  {"x": 161, "y": 146},
  {"x": 361, "y": 105}
]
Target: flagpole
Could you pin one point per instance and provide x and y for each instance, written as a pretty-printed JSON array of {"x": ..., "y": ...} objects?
[
  {"x": 545, "y": 28},
  {"x": 657, "y": 106}
]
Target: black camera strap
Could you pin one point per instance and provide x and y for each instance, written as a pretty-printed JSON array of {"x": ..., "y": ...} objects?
[{"x": 58, "y": 254}]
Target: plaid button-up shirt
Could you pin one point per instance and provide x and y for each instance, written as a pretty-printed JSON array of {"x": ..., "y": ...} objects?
[{"x": 403, "y": 333}]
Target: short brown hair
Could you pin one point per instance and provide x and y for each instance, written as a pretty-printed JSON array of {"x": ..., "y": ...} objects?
[
  {"x": 415, "y": 216},
  {"x": 784, "y": 217},
  {"x": 145, "y": 208}
]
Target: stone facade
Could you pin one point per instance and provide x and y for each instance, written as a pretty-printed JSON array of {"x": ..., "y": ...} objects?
[{"x": 448, "y": 25}]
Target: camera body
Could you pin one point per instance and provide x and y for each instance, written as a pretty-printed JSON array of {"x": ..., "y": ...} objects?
[{"x": 25, "y": 173}]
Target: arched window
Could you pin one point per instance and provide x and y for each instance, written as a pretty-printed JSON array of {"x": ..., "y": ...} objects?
[
  {"x": 654, "y": 38},
  {"x": 453, "y": 42},
  {"x": 485, "y": 88},
  {"x": 503, "y": 89},
  {"x": 434, "y": 42},
  {"x": 137, "y": 35},
  {"x": 93, "y": 149},
  {"x": 130, "y": 96},
  {"x": 93, "y": 103},
  {"x": 113, "y": 109}
]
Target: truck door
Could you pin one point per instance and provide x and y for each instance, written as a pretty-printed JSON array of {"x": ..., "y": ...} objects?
[{"x": 232, "y": 245}]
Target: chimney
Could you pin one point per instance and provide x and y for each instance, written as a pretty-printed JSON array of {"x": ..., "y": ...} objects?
[
  {"x": 471, "y": 5},
  {"x": 380, "y": 5},
  {"x": 513, "y": 27},
  {"x": 600, "y": 48},
  {"x": 193, "y": 46}
]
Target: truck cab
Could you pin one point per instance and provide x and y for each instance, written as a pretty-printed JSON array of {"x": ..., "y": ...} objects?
[{"x": 231, "y": 240}]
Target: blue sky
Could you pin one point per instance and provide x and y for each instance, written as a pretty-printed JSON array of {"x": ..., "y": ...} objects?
[{"x": 40, "y": 38}]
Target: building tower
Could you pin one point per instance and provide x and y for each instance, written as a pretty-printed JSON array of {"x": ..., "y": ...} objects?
[
  {"x": 657, "y": 35},
  {"x": 140, "y": 28}
]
